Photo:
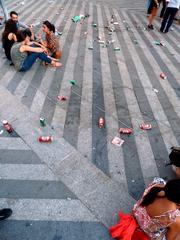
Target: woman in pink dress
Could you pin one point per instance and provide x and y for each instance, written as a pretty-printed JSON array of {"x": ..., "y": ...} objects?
[{"x": 156, "y": 216}]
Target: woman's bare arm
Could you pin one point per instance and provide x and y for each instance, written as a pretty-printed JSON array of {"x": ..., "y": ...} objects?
[
  {"x": 173, "y": 232},
  {"x": 26, "y": 48}
]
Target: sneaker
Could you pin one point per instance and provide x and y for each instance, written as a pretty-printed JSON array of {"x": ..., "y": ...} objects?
[{"x": 5, "y": 213}]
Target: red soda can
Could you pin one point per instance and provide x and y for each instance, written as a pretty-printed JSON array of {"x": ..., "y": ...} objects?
[
  {"x": 101, "y": 122},
  {"x": 144, "y": 126},
  {"x": 62, "y": 98},
  {"x": 45, "y": 139},
  {"x": 125, "y": 130},
  {"x": 7, "y": 126},
  {"x": 163, "y": 76}
]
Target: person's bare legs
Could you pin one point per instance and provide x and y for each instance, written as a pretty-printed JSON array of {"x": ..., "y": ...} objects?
[{"x": 152, "y": 17}]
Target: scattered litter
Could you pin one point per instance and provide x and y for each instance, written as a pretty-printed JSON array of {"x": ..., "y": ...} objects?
[
  {"x": 163, "y": 76},
  {"x": 1, "y": 132},
  {"x": 61, "y": 8},
  {"x": 62, "y": 98},
  {"x": 172, "y": 29},
  {"x": 117, "y": 141},
  {"x": 94, "y": 24},
  {"x": 116, "y": 23},
  {"x": 159, "y": 43},
  {"x": 146, "y": 126},
  {"x": 109, "y": 33},
  {"x": 69, "y": 199},
  {"x": 110, "y": 41},
  {"x": 60, "y": 33},
  {"x": 22, "y": 3},
  {"x": 132, "y": 180},
  {"x": 35, "y": 24},
  {"x": 78, "y": 18},
  {"x": 42, "y": 122},
  {"x": 117, "y": 49},
  {"x": 85, "y": 33},
  {"x": 155, "y": 90},
  {"x": 7, "y": 126},
  {"x": 46, "y": 139},
  {"x": 162, "y": 43},
  {"x": 125, "y": 130},
  {"x": 101, "y": 42},
  {"x": 90, "y": 48},
  {"x": 135, "y": 41},
  {"x": 73, "y": 82},
  {"x": 101, "y": 122}
]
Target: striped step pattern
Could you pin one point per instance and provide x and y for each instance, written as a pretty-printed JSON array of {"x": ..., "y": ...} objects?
[
  {"x": 122, "y": 86},
  {"x": 43, "y": 207}
]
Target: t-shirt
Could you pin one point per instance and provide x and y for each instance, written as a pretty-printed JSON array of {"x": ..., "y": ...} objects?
[
  {"x": 18, "y": 57},
  {"x": 174, "y": 3}
]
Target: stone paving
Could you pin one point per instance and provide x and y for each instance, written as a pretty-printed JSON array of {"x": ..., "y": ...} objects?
[{"x": 74, "y": 187}]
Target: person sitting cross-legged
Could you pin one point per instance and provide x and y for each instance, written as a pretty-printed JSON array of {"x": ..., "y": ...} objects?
[{"x": 25, "y": 53}]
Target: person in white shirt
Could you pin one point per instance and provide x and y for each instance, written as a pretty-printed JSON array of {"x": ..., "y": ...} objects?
[{"x": 171, "y": 10}]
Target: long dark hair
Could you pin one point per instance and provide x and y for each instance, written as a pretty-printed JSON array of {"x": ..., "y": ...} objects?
[
  {"x": 10, "y": 27},
  {"x": 22, "y": 34},
  {"x": 50, "y": 26},
  {"x": 171, "y": 189}
]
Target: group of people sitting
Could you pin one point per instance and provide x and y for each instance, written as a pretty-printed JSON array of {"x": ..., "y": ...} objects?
[
  {"x": 156, "y": 216},
  {"x": 167, "y": 14},
  {"x": 22, "y": 47}
]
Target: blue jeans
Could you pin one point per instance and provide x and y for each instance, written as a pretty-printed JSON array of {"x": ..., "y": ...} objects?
[
  {"x": 31, "y": 58},
  {"x": 2, "y": 4}
]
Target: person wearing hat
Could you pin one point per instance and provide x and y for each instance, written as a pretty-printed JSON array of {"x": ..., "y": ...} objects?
[{"x": 174, "y": 158}]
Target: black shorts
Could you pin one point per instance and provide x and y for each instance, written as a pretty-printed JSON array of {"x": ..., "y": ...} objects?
[{"x": 151, "y": 6}]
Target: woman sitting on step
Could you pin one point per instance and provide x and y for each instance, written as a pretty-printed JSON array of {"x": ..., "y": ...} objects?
[
  {"x": 24, "y": 54},
  {"x": 156, "y": 216},
  {"x": 52, "y": 42}
]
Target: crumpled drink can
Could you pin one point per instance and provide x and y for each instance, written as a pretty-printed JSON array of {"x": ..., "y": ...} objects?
[
  {"x": 62, "y": 98},
  {"x": 125, "y": 130},
  {"x": 45, "y": 139},
  {"x": 163, "y": 76},
  {"x": 7, "y": 126},
  {"x": 42, "y": 122},
  {"x": 145, "y": 126},
  {"x": 117, "y": 49},
  {"x": 101, "y": 122}
]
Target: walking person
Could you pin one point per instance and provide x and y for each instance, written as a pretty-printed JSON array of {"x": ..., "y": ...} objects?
[
  {"x": 171, "y": 10},
  {"x": 153, "y": 9},
  {"x": 156, "y": 216},
  {"x": 2, "y": 4}
]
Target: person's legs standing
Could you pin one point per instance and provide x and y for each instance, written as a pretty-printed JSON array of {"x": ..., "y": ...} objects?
[
  {"x": 163, "y": 9},
  {"x": 31, "y": 58},
  {"x": 152, "y": 17},
  {"x": 4, "y": 10},
  {"x": 165, "y": 19},
  {"x": 173, "y": 12}
]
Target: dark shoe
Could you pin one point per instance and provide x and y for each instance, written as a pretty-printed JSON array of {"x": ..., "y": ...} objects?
[
  {"x": 151, "y": 27},
  {"x": 11, "y": 64},
  {"x": 5, "y": 213}
]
